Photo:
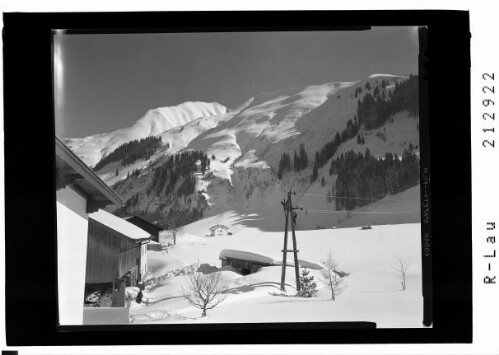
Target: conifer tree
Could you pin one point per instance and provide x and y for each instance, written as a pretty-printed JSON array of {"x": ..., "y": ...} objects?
[
  {"x": 303, "y": 156},
  {"x": 284, "y": 164},
  {"x": 307, "y": 285},
  {"x": 329, "y": 196},
  {"x": 315, "y": 172},
  {"x": 296, "y": 161}
]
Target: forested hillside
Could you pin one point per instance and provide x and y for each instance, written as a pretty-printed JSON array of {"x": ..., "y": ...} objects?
[
  {"x": 130, "y": 152},
  {"x": 372, "y": 112},
  {"x": 377, "y": 108},
  {"x": 363, "y": 179},
  {"x": 168, "y": 192}
]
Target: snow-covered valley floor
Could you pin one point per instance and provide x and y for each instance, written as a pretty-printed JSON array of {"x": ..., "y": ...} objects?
[{"x": 373, "y": 291}]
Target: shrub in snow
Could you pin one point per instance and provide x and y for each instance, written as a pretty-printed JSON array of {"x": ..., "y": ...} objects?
[
  {"x": 281, "y": 294},
  {"x": 307, "y": 285},
  {"x": 331, "y": 277},
  {"x": 401, "y": 267},
  {"x": 187, "y": 270},
  {"x": 204, "y": 291},
  {"x": 206, "y": 268}
]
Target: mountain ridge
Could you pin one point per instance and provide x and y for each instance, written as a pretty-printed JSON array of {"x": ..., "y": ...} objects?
[
  {"x": 155, "y": 121},
  {"x": 245, "y": 146}
]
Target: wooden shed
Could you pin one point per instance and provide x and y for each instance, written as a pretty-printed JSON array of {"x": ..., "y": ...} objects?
[{"x": 116, "y": 252}]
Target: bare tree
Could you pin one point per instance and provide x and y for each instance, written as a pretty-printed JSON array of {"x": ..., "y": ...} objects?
[
  {"x": 401, "y": 267},
  {"x": 204, "y": 291},
  {"x": 330, "y": 276}
]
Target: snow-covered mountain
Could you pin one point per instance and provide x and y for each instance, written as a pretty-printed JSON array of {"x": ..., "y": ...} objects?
[
  {"x": 91, "y": 149},
  {"x": 245, "y": 146}
]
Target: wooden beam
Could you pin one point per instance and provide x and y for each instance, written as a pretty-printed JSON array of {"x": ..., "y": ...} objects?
[{"x": 64, "y": 153}]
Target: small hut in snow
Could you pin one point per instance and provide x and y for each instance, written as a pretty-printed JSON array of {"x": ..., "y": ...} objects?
[
  {"x": 219, "y": 230},
  {"x": 248, "y": 262}
]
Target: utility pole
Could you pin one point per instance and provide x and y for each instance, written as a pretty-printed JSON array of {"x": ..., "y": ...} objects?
[{"x": 290, "y": 214}]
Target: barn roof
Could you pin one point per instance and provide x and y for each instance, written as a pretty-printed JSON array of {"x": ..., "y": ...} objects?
[
  {"x": 264, "y": 258},
  {"x": 73, "y": 172},
  {"x": 120, "y": 225},
  {"x": 219, "y": 226},
  {"x": 144, "y": 224}
]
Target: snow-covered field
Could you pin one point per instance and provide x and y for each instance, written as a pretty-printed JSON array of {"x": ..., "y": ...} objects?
[{"x": 373, "y": 293}]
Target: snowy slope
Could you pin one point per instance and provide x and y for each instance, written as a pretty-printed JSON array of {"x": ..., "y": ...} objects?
[
  {"x": 91, "y": 149},
  {"x": 248, "y": 148},
  {"x": 278, "y": 122},
  {"x": 373, "y": 291}
]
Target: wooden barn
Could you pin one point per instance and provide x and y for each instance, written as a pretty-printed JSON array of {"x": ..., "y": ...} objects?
[
  {"x": 246, "y": 262},
  {"x": 79, "y": 191},
  {"x": 149, "y": 227},
  {"x": 116, "y": 254}
]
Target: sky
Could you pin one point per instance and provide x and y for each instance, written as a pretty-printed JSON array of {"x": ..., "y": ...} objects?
[{"x": 109, "y": 81}]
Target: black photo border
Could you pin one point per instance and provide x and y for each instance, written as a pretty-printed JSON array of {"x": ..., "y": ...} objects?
[{"x": 444, "y": 70}]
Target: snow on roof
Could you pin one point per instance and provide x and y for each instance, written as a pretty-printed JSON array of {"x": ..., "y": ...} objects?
[
  {"x": 264, "y": 258},
  {"x": 379, "y": 74},
  {"x": 219, "y": 226},
  {"x": 119, "y": 225},
  {"x": 245, "y": 255}
]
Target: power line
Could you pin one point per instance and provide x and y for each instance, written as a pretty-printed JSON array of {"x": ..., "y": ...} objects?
[
  {"x": 353, "y": 212},
  {"x": 358, "y": 198}
]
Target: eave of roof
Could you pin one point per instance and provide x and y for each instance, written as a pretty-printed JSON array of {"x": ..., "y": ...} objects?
[
  {"x": 88, "y": 174},
  {"x": 152, "y": 225},
  {"x": 219, "y": 226}
]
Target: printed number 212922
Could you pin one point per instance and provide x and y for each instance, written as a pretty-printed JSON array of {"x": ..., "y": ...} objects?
[{"x": 488, "y": 90}]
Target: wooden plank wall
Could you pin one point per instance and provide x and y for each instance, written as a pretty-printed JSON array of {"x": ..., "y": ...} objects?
[
  {"x": 129, "y": 252},
  {"x": 102, "y": 255},
  {"x": 108, "y": 254}
]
